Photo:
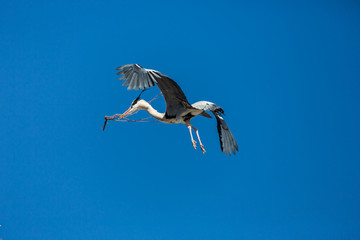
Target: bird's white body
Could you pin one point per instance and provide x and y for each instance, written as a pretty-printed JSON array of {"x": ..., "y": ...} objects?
[{"x": 144, "y": 105}]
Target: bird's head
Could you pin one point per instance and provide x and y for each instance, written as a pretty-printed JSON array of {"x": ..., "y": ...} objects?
[{"x": 137, "y": 104}]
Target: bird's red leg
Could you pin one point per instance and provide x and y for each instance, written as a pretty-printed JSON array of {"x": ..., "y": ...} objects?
[
  {"x": 192, "y": 139},
  {"x": 201, "y": 145}
]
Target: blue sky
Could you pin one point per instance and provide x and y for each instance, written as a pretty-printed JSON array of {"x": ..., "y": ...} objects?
[{"x": 286, "y": 74}]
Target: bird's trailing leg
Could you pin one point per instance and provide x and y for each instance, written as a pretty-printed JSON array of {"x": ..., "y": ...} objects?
[
  {"x": 192, "y": 139},
  {"x": 201, "y": 145}
]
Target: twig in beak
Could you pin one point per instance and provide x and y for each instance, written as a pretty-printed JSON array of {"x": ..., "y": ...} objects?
[
  {"x": 105, "y": 124},
  {"x": 106, "y": 119},
  {"x": 123, "y": 117},
  {"x": 109, "y": 118}
]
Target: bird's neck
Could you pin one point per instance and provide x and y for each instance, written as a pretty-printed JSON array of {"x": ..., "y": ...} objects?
[{"x": 152, "y": 111}]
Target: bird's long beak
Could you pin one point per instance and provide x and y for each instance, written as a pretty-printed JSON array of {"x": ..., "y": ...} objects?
[{"x": 125, "y": 113}]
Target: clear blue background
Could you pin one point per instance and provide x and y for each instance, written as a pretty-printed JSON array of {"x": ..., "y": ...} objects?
[{"x": 286, "y": 73}]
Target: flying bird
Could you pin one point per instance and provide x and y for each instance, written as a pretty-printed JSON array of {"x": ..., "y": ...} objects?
[{"x": 178, "y": 109}]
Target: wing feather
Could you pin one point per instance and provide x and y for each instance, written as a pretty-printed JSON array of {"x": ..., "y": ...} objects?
[{"x": 138, "y": 77}]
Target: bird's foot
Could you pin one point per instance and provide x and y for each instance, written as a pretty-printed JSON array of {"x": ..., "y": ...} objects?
[
  {"x": 194, "y": 144},
  {"x": 202, "y": 148}
]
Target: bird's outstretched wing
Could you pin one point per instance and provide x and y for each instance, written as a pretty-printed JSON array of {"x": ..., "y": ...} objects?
[
  {"x": 227, "y": 140},
  {"x": 138, "y": 77}
]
